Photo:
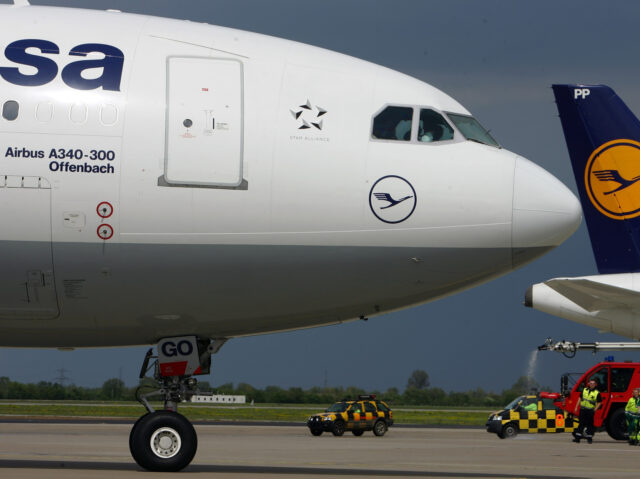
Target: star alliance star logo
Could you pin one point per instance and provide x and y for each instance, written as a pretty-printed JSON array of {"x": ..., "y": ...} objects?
[{"x": 309, "y": 116}]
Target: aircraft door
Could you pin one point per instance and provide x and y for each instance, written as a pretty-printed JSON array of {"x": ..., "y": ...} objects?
[
  {"x": 204, "y": 132},
  {"x": 27, "y": 287}
]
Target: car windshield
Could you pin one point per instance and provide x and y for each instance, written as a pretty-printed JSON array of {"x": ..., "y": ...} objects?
[
  {"x": 338, "y": 407},
  {"x": 514, "y": 403},
  {"x": 472, "y": 129}
]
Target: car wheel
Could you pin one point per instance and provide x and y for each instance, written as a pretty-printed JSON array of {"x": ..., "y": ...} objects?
[
  {"x": 617, "y": 425},
  {"x": 379, "y": 428},
  {"x": 357, "y": 432},
  {"x": 316, "y": 431},
  {"x": 338, "y": 428},
  {"x": 510, "y": 431}
]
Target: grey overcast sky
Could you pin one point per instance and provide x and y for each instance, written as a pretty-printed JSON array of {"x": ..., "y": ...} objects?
[{"x": 498, "y": 58}]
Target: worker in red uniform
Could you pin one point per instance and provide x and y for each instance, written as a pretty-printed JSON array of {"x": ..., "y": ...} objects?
[{"x": 591, "y": 400}]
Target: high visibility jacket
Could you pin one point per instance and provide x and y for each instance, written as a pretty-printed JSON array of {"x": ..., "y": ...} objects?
[
  {"x": 589, "y": 398},
  {"x": 632, "y": 405}
]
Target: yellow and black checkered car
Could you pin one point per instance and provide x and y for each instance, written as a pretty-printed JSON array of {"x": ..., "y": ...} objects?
[
  {"x": 529, "y": 414},
  {"x": 364, "y": 414}
]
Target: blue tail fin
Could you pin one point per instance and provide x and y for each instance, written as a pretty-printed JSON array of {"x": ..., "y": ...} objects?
[{"x": 603, "y": 138}]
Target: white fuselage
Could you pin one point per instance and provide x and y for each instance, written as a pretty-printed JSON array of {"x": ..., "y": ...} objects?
[{"x": 219, "y": 183}]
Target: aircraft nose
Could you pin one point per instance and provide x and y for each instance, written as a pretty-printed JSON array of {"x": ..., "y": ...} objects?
[{"x": 545, "y": 212}]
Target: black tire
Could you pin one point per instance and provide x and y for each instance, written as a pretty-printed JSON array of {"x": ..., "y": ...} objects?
[
  {"x": 509, "y": 431},
  {"x": 316, "y": 431},
  {"x": 500, "y": 435},
  {"x": 163, "y": 441},
  {"x": 379, "y": 428},
  {"x": 617, "y": 425},
  {"x": 358, "y": 432},
  {"x": 135, "y": 425},
  {"x": 338, "y": 428}
]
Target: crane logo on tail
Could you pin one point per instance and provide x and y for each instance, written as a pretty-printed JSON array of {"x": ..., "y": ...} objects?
[
  {"x": 611, "y": 179},
  {"x": 392, "y": 199}
]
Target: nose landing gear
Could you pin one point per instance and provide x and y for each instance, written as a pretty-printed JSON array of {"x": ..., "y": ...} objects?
[{"x": 166, "y": 440}]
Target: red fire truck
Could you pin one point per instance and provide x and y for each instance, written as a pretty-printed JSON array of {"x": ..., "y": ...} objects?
[{"x": 616, "y": 381}]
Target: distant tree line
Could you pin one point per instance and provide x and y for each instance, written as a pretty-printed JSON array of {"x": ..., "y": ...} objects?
[
  {"x": 418, "y": 392},
  {"x": 112, "y": 389}
]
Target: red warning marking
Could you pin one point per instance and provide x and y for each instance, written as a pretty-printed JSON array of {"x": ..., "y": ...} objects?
[
  {"x": 104, "y": 209},
  {"x": 177, "y": 368},
  {"x": 105, "y": 232}
]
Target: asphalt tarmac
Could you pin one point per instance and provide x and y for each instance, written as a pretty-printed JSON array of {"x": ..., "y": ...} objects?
[{"x": 96, "y": 451}]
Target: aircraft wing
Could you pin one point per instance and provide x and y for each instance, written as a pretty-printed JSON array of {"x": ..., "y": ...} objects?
[{"x": 595, "y": 296}]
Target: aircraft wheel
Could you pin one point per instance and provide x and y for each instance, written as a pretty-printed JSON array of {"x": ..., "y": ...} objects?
[
  {"x": 163, "y": 441},
  {"x": 135, "y": 425}
]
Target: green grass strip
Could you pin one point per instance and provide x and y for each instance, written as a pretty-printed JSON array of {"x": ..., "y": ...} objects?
[{"x": 242, "y": 413}]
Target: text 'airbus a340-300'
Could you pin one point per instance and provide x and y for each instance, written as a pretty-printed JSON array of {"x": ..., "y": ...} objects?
[{"x": 171, "y": 183}]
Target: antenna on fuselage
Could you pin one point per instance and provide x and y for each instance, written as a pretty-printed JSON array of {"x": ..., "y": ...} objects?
[{"x": 21, "y": 3}]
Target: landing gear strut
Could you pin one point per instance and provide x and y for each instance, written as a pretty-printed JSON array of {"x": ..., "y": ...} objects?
[{"x": 166, "y": 440}]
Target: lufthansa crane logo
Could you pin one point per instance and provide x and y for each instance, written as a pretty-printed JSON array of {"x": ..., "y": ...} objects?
[
  {"x": 392, "y": 199},
  {"x": 611, "y": 179}
]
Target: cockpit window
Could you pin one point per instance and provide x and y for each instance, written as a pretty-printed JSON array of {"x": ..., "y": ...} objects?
[
  {"x": 433, "y": 127},
  {"x": 472, "y": 130},
  {"x": 393, "y": 123}
]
